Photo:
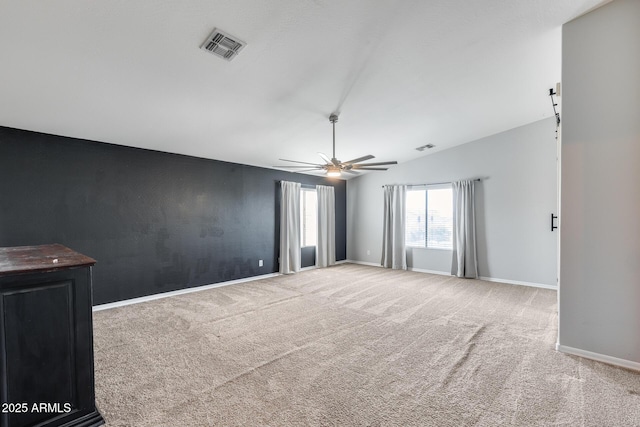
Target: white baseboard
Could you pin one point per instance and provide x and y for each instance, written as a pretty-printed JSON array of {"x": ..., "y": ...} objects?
[
  {"x": 372, "y": 264},
  {"x": 489, "y": 279},
  {"x": 446, "y": 273},
  {"x": 419, "y": 270},
  {"x": 422, "y": 270},
  {"x": 190, "y": 290},
  {"x": 518, "y": 282},
  {"x": 179, "y": 292},
  {"x": 265, "y": 276},
  {"x": 623, "y": 363},
  {"x": 313, "y": 267}
]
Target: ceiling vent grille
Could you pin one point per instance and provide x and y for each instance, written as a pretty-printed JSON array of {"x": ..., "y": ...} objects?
[
  {"x": 428, "y": 146},
  {"x": 223, "y": 45}
]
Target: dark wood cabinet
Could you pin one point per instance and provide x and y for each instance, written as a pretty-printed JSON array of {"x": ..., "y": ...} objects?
[{"x": 46, "y": 338}]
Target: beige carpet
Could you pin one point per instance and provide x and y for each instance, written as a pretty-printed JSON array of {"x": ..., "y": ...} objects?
[{"x": 352, "y": 346}]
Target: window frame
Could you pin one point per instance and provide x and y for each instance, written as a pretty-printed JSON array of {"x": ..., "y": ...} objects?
[
  {"x": 425, "y": 244},
  {"x": 302, "y": 217},
  {"x": 424, "y": 241}
]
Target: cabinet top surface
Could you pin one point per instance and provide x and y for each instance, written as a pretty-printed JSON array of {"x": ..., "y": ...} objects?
[{"x": 42, "y": 258}]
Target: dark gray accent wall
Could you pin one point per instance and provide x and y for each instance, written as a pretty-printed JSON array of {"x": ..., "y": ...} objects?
[{"x": 154, "y": 221}]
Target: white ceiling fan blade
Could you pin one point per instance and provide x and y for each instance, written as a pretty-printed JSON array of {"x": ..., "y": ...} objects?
[
  {"x": 370, "y": 169},
  {"x": 351, "y": 171},
  {"x": 324, "y": 157},
  {"x": 310, "y": 170},
  {"x": 304, "y": 163},
  {"x": 359, "y": 159},
  {"x": 378, "y": 163},
  {"x": 296, "y": 167}
]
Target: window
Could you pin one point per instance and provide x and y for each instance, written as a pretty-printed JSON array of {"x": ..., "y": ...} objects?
[
  {"x": 430, "y": 218},
  {"x": 308, "y": 217},
  {"x": 416, "y": 230}
]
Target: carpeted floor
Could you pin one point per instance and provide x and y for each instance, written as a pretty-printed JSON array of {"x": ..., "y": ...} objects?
[{"x": 352, "y": 345}]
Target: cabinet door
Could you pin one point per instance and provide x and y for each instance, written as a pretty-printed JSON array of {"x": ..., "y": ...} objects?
[{"x": 47, "y": 348}]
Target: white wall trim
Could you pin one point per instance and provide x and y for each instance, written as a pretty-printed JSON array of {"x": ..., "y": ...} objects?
[
  {"x": 179, "y": 292},
  {"x": 422, "y": 270},
  {"x": 372, "y": 264},
  {"x": 623, "y": 363},
  {"x": 265, "y": 276},
  {"x": 520, "y": 283},
  {"x": 195, "y": 289},
  {"x": 313, "y": 267},
  {"x": 446, "y": 273}
]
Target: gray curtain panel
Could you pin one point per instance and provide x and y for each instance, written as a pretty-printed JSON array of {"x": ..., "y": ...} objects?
[
  {"x": 465, "y": 259},
  {"x": 289, "y": 227},
  {"x": 393, "y": 245},
  {"x": 326, "y": 246}
]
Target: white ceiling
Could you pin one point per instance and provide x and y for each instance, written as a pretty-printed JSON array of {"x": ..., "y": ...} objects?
[{"x": 401, "y": 73}]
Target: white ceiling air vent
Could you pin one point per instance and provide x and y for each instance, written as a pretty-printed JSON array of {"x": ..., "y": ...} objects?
[
  {"x": 422, "y": 148},
  {"x": 223, "y": 45}
]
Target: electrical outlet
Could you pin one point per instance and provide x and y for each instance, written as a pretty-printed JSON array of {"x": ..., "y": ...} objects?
[
  {"x": 368, "y": 252},
  {"x": 260, "y": 263}
]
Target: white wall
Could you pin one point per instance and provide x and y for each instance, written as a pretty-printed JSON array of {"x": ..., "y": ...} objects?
[
  {"x": 600, "y": 234},
  {"x": 514, "y": 202}
]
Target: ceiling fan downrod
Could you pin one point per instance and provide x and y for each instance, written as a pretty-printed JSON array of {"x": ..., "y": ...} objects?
[{"x": 333, "y": 119}]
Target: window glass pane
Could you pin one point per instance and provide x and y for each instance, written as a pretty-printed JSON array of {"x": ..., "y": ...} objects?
[
  {"x": 440, "y": 218},
  {"x": 309, "y": 220},
  {"x": 416, "y": 225}
]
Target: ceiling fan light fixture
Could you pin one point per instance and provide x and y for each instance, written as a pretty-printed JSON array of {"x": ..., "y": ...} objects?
[{"x": 334, "y": 172}]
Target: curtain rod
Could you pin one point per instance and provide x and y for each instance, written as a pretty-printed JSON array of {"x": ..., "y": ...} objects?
[
  {"x": 433, "y": 183},
  {"x": 301, "y": 185}
]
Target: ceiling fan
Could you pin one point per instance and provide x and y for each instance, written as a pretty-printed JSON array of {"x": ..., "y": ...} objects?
[{"x": 334, "y": 167}]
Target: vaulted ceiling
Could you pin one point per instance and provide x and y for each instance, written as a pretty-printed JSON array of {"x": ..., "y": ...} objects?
[{"x": 401, "y": 74}]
